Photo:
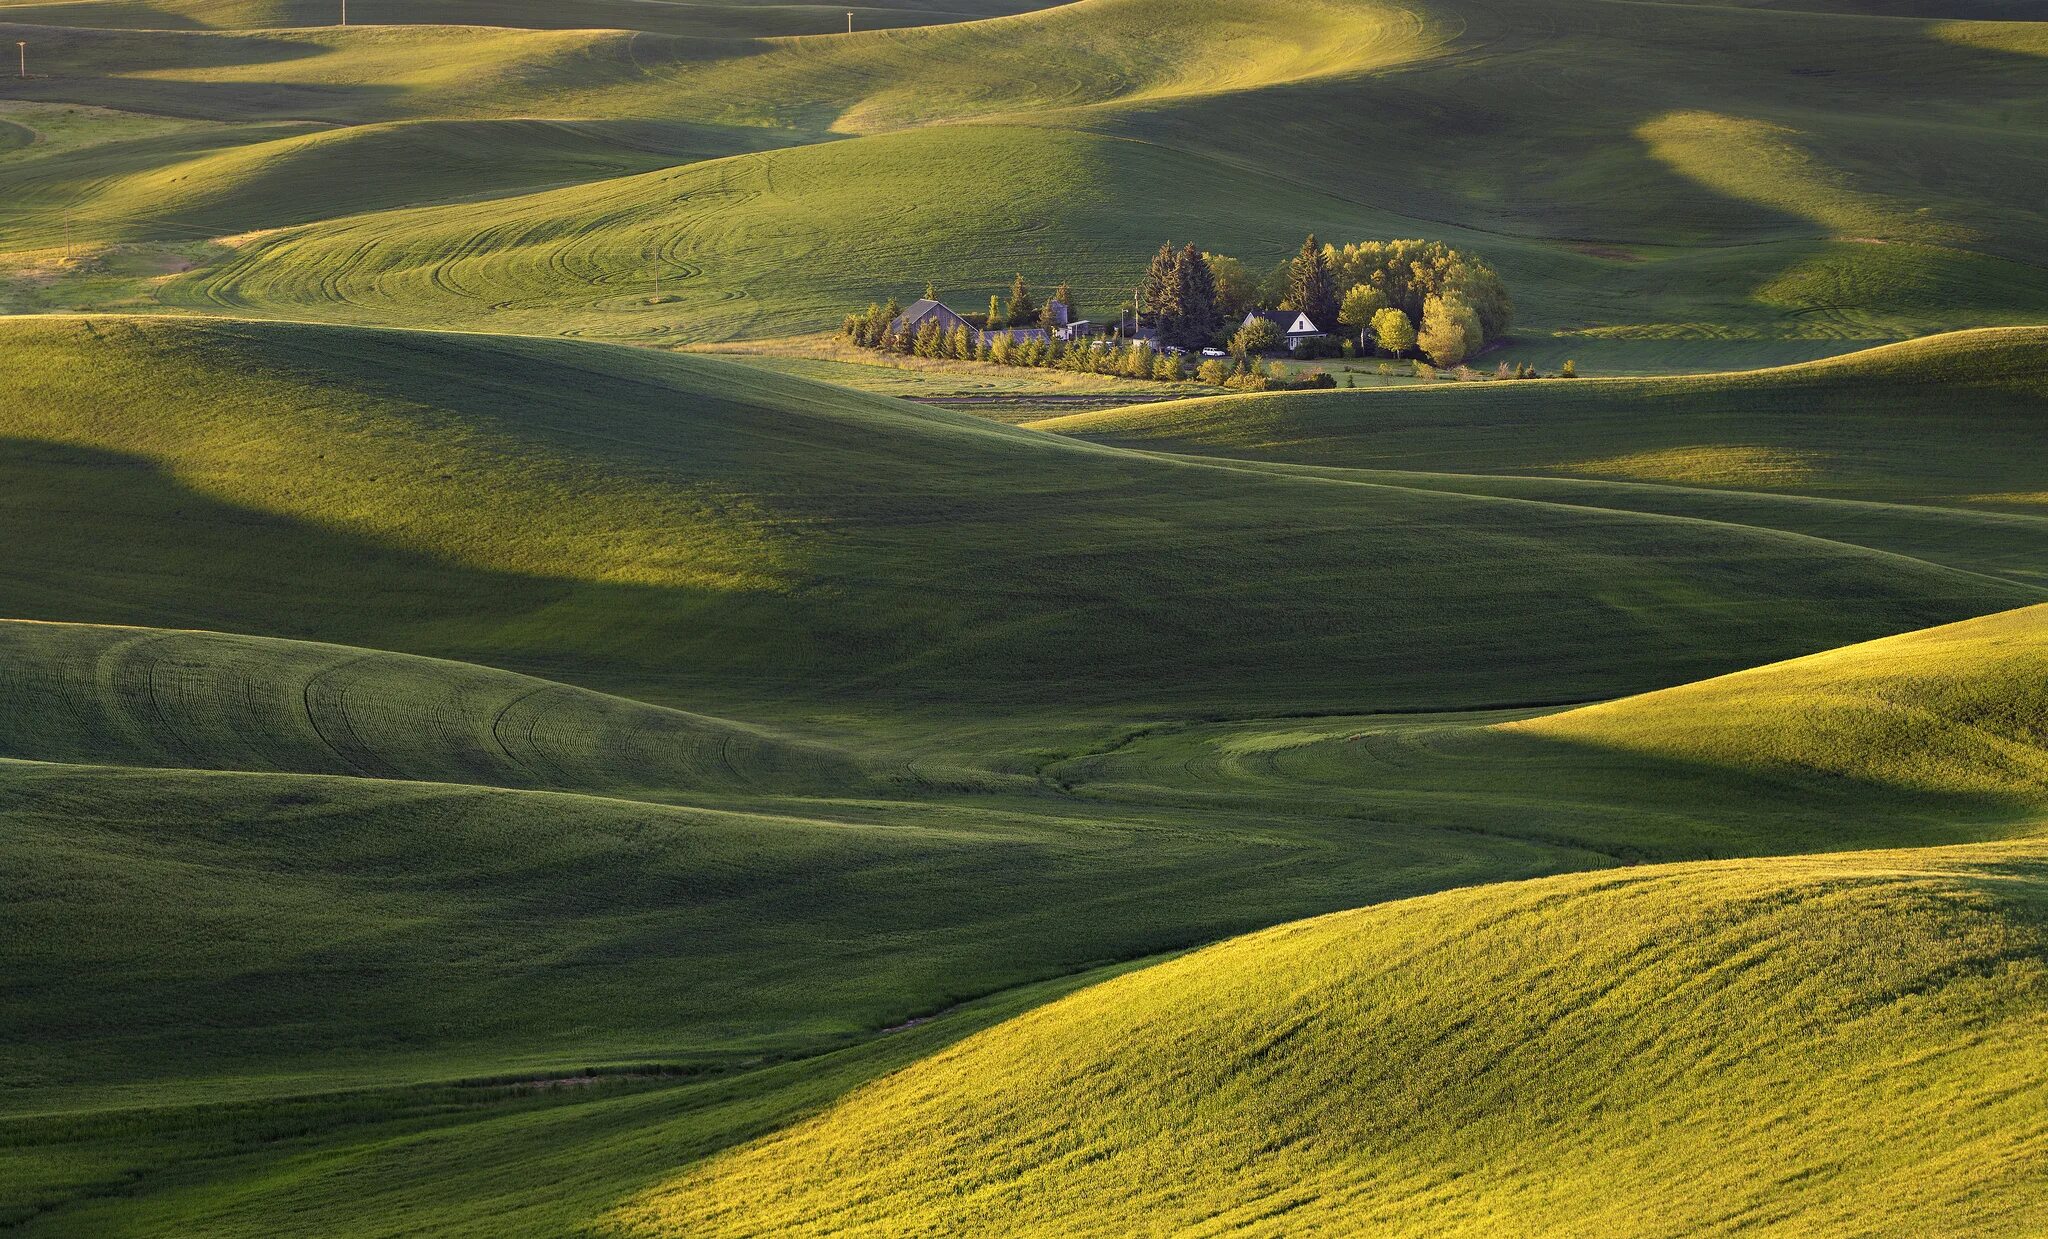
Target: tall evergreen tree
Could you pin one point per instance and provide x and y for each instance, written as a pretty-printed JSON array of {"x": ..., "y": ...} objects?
[
  {"x": 1022, "y": 308},
  {"x": 1195, "y": 319},
  {"x": 1157, "y": 288},
  {"x": 995, "y": 312},
  {"x": 1310, "y": 286},
  {"x": 931, "y": 291}
]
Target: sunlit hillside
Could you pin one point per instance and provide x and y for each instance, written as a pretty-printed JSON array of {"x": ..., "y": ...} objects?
[{"x": 532, "y": 706}]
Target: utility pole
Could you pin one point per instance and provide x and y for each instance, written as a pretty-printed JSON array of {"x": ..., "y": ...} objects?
[
  {"x": 849, "y": 21},
  {"x": 21, "y": 45},
  {"x": 344, "y": 12}
]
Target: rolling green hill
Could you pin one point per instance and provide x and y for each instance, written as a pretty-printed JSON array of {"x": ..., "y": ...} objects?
[
  {"x": 1653, "y": 1052},
  {"x": 739, "y": 18},
  {"x": 1814, "y": 1046},
  {"x": 704, "y": 533},
  {"x": 461, "y": 775},
  {"x": 155, "y": 698},
  {"x": 212, "y": 180},
  {"x": 1953, "y": 420},
  {"x": 1671, "y": 186},
  {"x": 1953, "y": 709}
]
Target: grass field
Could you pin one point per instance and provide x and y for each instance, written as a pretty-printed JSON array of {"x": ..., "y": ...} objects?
[
  {"x": 1700, "y": 210},
  {"x": 508, "y": 728},
  {"x": 733, "y": 535},
  {"x": 892, "y": 648}
]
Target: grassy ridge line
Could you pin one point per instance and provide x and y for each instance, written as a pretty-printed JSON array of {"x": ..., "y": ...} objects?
[
  {"x": 73, "y": 693},
  {"x": 535, "y": 1159},
  {"x": 1933, "y": 733},
  {"x": 368, "y": 931},
  {"x": 1922, "y": 143},
  {"x": 2001, "y": 544},
  {"x": 733, "y": 20},
  {"x": 1957, "y": 709},
  {"x": 181, "y": 934},
  {"x": 1838, "y": 1043},
  {"x": 1953, "y": 419},
  {"x": 210, "y": 181},
  {"x": 722, "y": 240},
  {"x": 683, "y": 529}
]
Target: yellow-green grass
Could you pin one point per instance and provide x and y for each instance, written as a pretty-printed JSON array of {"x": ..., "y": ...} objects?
[
  {"x": 211, "y": 180},
  {"x": 170, "y": 699},
  {"x": 754, "y": 246},
  {"x": 1812, "y": 1046},
  {"x": 1960, "y": 709},
  {"x": 507, "y": 1158},
  {"x": 1654, "y": 175},
  {"x": 708, "y": 534},
  {"x": 739, "y": 18},
  {"x": 285, "y": 936},
  {"x": 1936, "y": 732},
  {"x": 1927, "y": 421}
]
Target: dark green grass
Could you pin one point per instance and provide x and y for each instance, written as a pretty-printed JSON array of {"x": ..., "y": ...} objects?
[
  {"x": 962, "y": 690},
  {"x": 1959, "y": 420},
  {"x": 707, "y": 534},
  {"x": 519, "y": 1157},
  {"x": 163, "y": 698}
]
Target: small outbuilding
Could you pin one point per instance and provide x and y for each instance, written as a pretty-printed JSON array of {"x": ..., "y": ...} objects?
[{"x": 1294, "y": 326}]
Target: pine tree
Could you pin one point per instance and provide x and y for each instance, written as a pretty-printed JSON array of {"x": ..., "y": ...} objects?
[
  {"x": 1064, "y": 294},
  {"x": 1022, "y": 308},
  {"x": 1310, "y": 286},
  {"x": 995, "y": 312},
  {"x": 1156, "y": 290},
  {"x": 1193, "y": 319},
  {"x": 931, "y": 291}
]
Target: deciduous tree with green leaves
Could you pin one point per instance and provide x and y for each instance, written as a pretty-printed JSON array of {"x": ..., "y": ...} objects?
[
  {"x": 1359, "y": 306},
  {"x": 1255, "y": 337},
  {"x": 1450, "y": 330},
  {"x": 1393, "y": 330}
]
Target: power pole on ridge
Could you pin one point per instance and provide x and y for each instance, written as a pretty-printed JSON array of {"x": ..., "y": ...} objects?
[{"x": 849, "y": 21}]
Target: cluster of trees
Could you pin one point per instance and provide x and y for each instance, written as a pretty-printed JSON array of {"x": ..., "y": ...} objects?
[
  {"x": 1137, "y": 360},
  {"x": 1398, "y": 296},
  {"x": 1178, "y": 298}
]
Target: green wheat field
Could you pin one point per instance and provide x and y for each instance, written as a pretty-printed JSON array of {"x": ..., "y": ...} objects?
[{"x": 513, "y": 725}]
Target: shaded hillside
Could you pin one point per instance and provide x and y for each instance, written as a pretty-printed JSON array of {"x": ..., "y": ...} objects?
[
  {"x": 1958, "y": 419},
  {"x": 713, "y": 534}
]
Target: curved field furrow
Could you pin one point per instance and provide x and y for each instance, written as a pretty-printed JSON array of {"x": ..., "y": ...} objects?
[{"x": 207, "y": 701}]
